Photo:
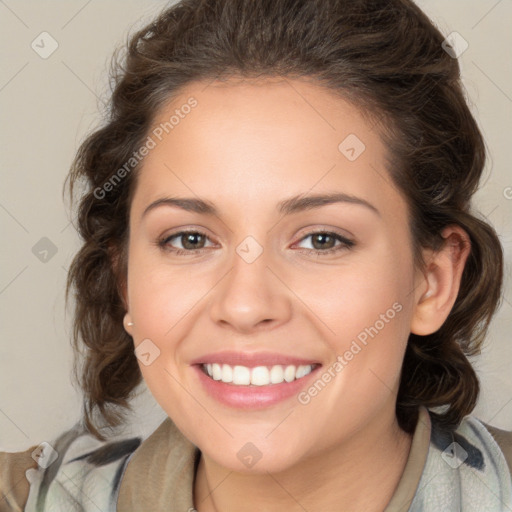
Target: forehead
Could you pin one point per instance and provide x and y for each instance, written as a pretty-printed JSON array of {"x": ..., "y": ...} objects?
[{"x": 257, "y": 141}]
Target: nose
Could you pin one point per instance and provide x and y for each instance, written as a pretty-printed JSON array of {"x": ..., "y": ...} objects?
[{"x": 251, "y": 297}]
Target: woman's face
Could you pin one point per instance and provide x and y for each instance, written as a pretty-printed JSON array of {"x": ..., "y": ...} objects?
[{"x": 271, "y": 276}]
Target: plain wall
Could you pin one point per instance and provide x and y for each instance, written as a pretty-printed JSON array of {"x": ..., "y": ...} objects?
[{"x": 49, "y": 105}]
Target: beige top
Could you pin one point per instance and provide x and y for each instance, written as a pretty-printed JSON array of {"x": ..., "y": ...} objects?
[
  {"x": 169, "y": 469},
  {"x": 168, "y": 461}
]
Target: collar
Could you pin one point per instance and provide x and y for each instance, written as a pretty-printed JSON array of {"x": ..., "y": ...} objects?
[{"x": 161, "y": 471}]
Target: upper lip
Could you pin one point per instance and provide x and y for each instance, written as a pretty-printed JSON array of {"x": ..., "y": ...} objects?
[{"x": 252, "y": 359}]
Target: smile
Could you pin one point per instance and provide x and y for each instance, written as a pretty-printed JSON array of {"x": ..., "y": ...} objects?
[{"x": 257, "y": 376}]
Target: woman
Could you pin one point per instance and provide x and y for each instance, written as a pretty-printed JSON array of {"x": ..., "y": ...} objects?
[{"x": 278, "y": 239}]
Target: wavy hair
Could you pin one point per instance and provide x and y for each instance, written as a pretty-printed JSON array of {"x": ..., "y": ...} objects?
[{"x": 384, "y": 56}]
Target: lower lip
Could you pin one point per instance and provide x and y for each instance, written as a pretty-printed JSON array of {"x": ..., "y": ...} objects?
[{"x": 252, "y": 397}]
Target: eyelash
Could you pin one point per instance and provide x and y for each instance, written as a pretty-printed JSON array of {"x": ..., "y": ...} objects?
[{"x": 345, "y": 243}]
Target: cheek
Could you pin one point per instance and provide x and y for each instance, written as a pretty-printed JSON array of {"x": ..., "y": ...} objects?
[
  {"x": 366, "y": 310},
  {"x": 370, "y": 324},
  {"x": 366, "y": 291},
  {"x": 160, "y": 294},
  {"x": 159, "y": 305},
  {"x": 159, "y": 302}
]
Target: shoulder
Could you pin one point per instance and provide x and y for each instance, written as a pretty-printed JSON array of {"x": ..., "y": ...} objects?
[
  {"x": 14, "y": 486},
  {"x": 76, "y": 471},
  {"x": 496, "y": 443},
  {"x": 504, "y": 440},
  {"x": 466, "y": 469}
]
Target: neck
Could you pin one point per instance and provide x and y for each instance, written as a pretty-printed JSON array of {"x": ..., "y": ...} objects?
[{"x": 361, "y": 473}]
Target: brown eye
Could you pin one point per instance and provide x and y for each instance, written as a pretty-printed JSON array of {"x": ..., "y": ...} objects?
[
  {"x": 189, "y": 241},
  {"x": 324, "y": 242},
  {"x": 192, "y": 241}
]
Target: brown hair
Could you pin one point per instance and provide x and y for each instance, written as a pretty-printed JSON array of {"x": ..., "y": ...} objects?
[{"x": 386, "y": 57}]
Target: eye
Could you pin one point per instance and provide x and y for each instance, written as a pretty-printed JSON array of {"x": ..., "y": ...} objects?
[
  {"x": 190, "y": 241},
  {"x": 324, "y": 242}
]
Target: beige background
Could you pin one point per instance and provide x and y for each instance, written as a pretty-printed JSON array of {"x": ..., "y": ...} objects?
[{"x": 48, "y": 105}]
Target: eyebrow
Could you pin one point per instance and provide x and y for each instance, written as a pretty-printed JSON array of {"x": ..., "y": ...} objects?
[{"x": 289, "y": 206}]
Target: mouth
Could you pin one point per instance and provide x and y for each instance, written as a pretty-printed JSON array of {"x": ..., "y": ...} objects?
[
  {"x": 259, "y": 383},
  {"x": 239, "y": 375},
  {"x": 254, "y": 380}
]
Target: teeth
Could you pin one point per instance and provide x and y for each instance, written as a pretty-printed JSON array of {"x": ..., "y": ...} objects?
[
  {"x": 241, "y": 375},
  {"x": 276, "y": 374},
  {"x": 216, "y": 371},
  {"x": 227, "y": 373},
  {"x": 257, "y": 376},
  {"x": 289, "y": 373}
]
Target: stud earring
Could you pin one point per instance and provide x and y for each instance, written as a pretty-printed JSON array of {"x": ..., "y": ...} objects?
[{"x": 125, "y": 320}]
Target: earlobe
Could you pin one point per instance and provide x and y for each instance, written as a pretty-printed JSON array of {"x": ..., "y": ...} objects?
[{"x": 441, "y": 282}]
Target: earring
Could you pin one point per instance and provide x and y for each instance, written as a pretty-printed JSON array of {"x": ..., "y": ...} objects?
[{"x": 126, "y": 322}]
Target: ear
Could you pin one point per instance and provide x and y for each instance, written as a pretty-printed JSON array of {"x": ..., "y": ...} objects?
[{"x": 439, "y": 285}]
